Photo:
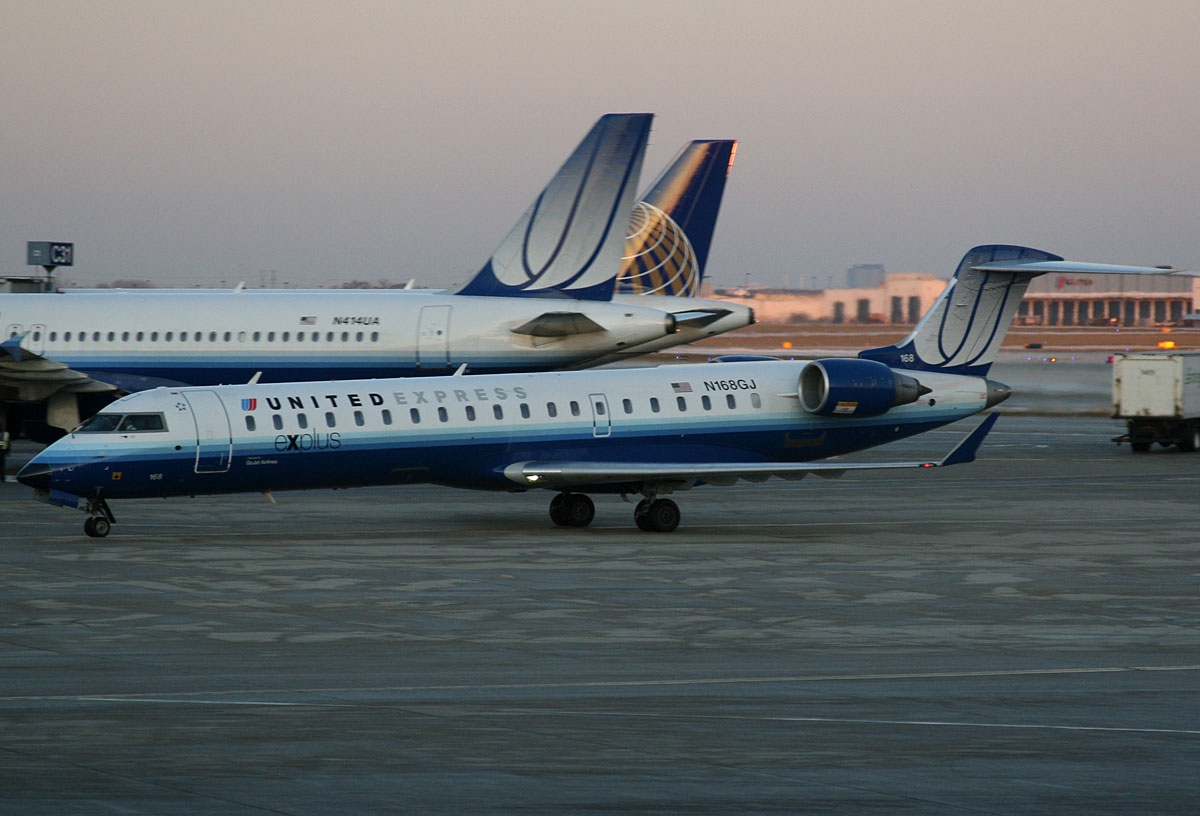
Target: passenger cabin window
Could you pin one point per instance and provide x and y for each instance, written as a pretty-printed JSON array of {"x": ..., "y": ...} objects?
[
  {"x": 551, "y": 410},
  {"x": 627, "y": 404},
  {"x": 654, "y": 404},
  {"x": 302, "y": 421},
  {"x": 525, "y": 410},
  {"x": 415, "y": 416},
  {"x": 470, "y": 413},
  {"x": 731, "y": 401},
  {"x": 277, "y": 421},
  {"x": 574, "y": 408},
  {"x": 249, "y": 422},
  {"x": 359, "y": 420},
  {"x": 387, "y": 416},
  {"x": 498, "y": 412},
  {"x": 330, "y": 420},
  {"x": 681, "y": 403},
  {"x": 706, "y": 403},
  {"x": 443, "y": 415},
  {"x": 756, "y": 400}
]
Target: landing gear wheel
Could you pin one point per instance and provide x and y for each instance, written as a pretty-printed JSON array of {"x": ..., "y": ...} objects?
[
  {"x": 97, "y": 526},
  {"x": 572, "y": 510},
  {"x": 658, "y": 516}
]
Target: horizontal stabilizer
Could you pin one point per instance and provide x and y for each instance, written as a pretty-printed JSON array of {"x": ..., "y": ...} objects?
[
  {"x": 559, "y": 324},
  {"x": 667, "y": 476}
]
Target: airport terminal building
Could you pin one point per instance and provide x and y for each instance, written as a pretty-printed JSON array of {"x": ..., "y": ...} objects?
[
  {"x": 1109, "y": 300},
  {"x": 1051, "y": 300}
]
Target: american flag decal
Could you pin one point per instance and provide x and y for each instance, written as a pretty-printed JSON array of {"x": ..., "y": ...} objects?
[
  {"x": 681, "y": 388},
  {"x": 249, "y": 404},
  {"x": 308, "y": 320}
]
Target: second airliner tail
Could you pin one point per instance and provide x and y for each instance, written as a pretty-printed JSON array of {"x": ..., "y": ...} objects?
[{"x": 671, "y": 228}]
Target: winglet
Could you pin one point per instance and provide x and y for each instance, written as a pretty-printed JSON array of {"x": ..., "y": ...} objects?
[
  {"x": 965, "y": 450},
  {"x": 569, "y": 241}
]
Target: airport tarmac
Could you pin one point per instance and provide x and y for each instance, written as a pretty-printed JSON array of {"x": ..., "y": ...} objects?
[{"x": 1016, "y": 635}]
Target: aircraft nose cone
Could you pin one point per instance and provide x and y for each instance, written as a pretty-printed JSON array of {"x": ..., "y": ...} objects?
[{"x": 35, "y": 475}]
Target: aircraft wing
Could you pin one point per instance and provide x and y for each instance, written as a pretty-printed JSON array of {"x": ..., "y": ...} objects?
[
  {"x": 682, "y": 475},
  {"x": 34, "y": 377}
]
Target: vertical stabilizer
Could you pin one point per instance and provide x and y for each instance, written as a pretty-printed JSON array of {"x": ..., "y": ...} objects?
[
  {"x": 964, "y": 329},
  {"x": 569, "y": 242},
  {"x": 671, "y": 228}
]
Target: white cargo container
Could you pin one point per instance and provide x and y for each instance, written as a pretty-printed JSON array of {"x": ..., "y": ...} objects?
[{"x": 1157, "y": 393}]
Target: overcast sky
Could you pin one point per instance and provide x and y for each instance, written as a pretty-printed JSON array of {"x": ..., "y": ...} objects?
[{"x": 194, "y": 143}]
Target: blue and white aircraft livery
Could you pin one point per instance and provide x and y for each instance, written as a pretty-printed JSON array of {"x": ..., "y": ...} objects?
[
  {"x": 648, "y": 432},
  {"x": 543, "y": 301}
]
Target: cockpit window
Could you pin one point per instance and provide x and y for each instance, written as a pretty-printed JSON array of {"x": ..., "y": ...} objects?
[
  {"x": 126, "y": 423},
  {"x": 100, "y": 423},
  {"x": 142, "y": 422}
]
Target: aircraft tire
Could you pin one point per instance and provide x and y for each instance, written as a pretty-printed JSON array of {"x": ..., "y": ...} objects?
[
  {"x": 557, "y": 514},
  {"x": 97, "y": 527},
  {"x": 662, "y": 516},
  {"x": 578, "y": 510},
  {"x": 572, "y": 510}
]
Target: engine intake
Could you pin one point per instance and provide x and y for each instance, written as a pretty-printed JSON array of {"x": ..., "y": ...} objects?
[{"x": 855, "y": 387}]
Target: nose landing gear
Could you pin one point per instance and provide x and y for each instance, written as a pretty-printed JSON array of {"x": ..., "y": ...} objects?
[{"x": 101, "y": 520}]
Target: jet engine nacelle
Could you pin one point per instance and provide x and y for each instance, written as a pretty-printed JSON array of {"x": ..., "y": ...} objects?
[{"x": 855, "y": 387}]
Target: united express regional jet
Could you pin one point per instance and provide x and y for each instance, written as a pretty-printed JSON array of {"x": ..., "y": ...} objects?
[
  {"x": 544, "y": 300},
  {"x": 648, "y": 432}
]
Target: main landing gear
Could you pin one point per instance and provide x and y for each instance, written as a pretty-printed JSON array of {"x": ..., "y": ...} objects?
[
  {"x": 100, "y": 521},
  {"x": 653, "y": 515}
]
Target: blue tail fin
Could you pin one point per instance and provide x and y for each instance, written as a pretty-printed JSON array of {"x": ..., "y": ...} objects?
[
  {"x": 569, "y": 242},
  {"x": 671, "y": 228},
  {"x": 963, "y": 330}
]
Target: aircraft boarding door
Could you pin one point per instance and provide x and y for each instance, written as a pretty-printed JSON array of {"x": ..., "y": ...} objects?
[
  {"x": 433, "y": 337},
  {"x": 214, "y": 439},
  {"x": 601, "y": 418}
]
